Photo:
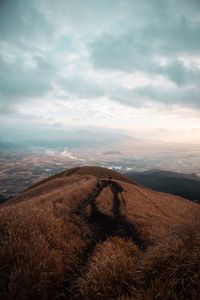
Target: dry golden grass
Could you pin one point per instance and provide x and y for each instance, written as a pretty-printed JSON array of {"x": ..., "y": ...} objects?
[
  {"x": 170, "y": 270},
  {"x": 101, "y": 173},
  {"x": 110, "y": 270},
  {"x": 98, "y": 172},
  {"x": 37, "y": 251},
  {"x": 157, "y": 214},
  {"x": 49, "y": 250},
  {"x": 40, "y": 242}
]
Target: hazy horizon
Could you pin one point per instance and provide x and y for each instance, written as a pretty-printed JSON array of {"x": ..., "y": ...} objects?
[{"x": 110, "y": 67}]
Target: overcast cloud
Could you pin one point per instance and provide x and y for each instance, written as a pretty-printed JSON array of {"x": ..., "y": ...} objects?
[{"x": 109, "y": 63}]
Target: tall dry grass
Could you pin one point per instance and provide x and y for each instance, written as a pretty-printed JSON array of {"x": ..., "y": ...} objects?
[
  {"x": 170, "y": 270},
  {"x": 41, "y": 241},
  {"x": 38, "y": 252},
  {"x": 43, "y": 244},
  {"x": 110, "y": 270}
]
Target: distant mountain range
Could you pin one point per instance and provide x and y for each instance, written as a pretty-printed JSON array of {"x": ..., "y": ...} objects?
[{"x": 184, "y": 185}]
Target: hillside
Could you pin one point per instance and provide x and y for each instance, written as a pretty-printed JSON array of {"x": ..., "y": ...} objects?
[
  {"x": 78, "y": 235},
  {"x": 96, "y": 171},
  {"x": 184, "y": 185}
]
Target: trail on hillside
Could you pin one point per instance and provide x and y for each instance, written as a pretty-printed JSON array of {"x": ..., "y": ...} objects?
[{"x": 104, "y": 226}]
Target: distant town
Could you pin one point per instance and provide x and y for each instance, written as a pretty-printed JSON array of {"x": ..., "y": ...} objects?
[{"x": 21, "y": 167}]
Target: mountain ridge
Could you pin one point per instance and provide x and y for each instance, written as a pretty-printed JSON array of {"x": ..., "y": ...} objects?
[
  {"x": 184, "y": 185},
  {"x": 100, "y": 172}
]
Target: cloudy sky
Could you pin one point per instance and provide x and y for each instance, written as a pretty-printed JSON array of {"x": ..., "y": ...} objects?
[{"x": 110, "y": 65}]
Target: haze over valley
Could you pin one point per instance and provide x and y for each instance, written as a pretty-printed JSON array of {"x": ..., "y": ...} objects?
[{"x": 25, "y": 163}]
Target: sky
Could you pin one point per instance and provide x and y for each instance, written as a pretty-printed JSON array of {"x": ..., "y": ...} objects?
[{"x": 109, "y": 66}]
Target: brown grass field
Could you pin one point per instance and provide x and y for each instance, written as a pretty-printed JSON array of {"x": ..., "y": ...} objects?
[{"x": 79, "y": 236}]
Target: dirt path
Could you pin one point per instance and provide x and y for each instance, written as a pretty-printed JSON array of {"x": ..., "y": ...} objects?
[{"x": 104, "y": 226}]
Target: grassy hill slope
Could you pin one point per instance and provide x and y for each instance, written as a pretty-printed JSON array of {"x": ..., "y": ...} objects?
[
  {"x": 81, "y": 236},
  {"x": 98, "y": 172}
]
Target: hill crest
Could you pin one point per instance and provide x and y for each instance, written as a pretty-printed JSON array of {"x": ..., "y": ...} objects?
[{"x": 99, "y": 172}]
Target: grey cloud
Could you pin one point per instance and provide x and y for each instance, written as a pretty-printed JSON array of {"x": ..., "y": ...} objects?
[
  {"x": 79, "y": 17},
  {"x": 169, "y": 31},
  {"x": 178, "y": 73},
  {"x": 188, "y": 97},
  {"x": 22, "y": 23},
  {"x": 143, "y": 96},
  {"x": 82, "y": 87},
  {"x": 18, "y": 80},
  {"x": 23, "y": 33},
  {"x": 137, "y": 50},
  {"x": 6, "y": 108},
  {"x": 119, "y": 35}
]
